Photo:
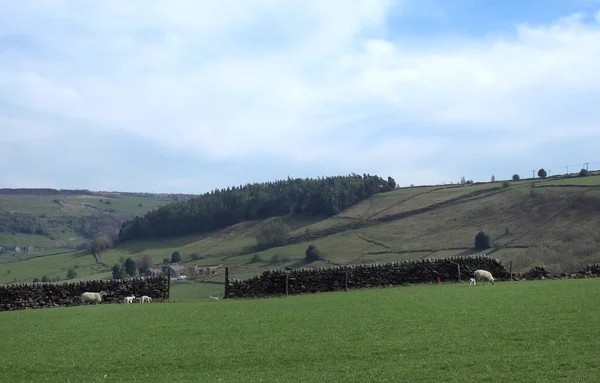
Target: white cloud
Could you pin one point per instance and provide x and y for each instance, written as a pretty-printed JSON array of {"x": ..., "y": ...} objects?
[{"x": 201, "y": 80}]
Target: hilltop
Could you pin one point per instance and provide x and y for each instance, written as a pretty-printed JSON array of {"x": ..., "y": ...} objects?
[{"x": 549, "y": 224}]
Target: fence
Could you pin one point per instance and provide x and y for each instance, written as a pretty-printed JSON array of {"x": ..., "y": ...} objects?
[{"x": 38, "y": 295}]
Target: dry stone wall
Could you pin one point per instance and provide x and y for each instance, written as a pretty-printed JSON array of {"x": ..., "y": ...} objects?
[
  {"x": 38, "y": 295},
  {"x": 301, "y": 281}
]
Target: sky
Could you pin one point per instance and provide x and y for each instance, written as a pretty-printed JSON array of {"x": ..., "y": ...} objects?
[{"x": 186, "y": 96}]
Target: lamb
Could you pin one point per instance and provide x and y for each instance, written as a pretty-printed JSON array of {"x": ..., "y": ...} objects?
[
  {"x": 129, "y": 299},
  {"x": 483, "y": 275},
  {"x": 472, "y": 282},
  {"x": 145, "y": 298},
  {"x": 92, "y": 297},
  {"x": 211, "y": 297}
]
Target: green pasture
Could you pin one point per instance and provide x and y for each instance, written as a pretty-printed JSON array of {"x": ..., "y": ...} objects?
[{"x": 543, "y": 331}]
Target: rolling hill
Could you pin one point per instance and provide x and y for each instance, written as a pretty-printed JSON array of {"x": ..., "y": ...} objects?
[{"x": 553, "y": 223}]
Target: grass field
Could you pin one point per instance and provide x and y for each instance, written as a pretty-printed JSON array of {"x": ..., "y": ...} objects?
[
  {"x": 593, "y": 180},
  {"x": 541, "y": 331}
]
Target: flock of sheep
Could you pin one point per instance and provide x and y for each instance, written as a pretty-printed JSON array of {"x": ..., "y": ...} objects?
[{"x": 94, "y": 298}]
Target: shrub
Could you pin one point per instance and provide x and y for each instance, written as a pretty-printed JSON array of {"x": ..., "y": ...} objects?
[
  {"x": 516, "y": 177},
  {"x": 584, "y": 173},
  {"x": 482, "y": 241},
  {"x": 312, "y": 254},
  {"x": 175, "y": 257},
  {"x": 256, "y": 258},
  {"x": 275, "y": 259},
  {"x": 505, "y": 184},
  {"x": 195, "y": 256},
  {"x": 71, "y": 274}
]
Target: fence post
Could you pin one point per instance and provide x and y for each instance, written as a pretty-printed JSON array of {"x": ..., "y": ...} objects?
[
  {"x": 346, "y": 283},
  {"x": 510, "y": 270},
  {"x": 168, "y": 282},
  {"x": 458, "y": 266},
  {"x": 287, "y": 283},
  {"x": 226, "y": 283}
]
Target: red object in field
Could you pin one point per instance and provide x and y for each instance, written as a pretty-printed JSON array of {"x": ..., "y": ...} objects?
[{"x": 439, "y": 281}]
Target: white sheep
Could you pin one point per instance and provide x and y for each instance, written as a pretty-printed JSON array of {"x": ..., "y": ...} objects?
[
  {"x": 129, "y": 299},
  {"x": 145, "y": 298},
  {"x": 472, "y": 282},
  {"x": 211, "y": 297},
  {"x": 92, "y": 297},
  {"x": 483, "y": 275}
]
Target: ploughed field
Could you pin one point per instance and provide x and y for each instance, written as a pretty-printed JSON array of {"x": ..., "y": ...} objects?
[{"x": 536, "y": 331}]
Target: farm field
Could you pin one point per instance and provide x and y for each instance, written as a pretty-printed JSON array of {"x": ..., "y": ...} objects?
[{"x": 539, "y": 331}]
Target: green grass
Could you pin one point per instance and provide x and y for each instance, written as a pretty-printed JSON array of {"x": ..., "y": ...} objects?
[
  {"x": 516, "y": 332},
  {"x": 578, "y": 181}
]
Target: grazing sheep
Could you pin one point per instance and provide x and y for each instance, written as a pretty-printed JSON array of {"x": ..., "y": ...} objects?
[
  {"x": 483, "y": 275},
  {"x": 94, "y": 298},
  {"x": 472, "y": 282},
  {"x": 211, "y": 297},
  {"x": 145, "y": 298},
  {"x": 129, "y": 299}
]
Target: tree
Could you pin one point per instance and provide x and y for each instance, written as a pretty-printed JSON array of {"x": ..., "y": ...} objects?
[
  {"x": 130, "y": 266},
  {"x": 36, "y": 280},
  {"x": 117, "y": 271},
  {"x": 493, "y": 179},
  {"x": 175, "y": 257},
  {"x": 463, "y": 180},
  {"x": 256, "y": 258},
  {"x": 584, "y": 173},
  {"x": 45, "y": 279},
  {"x": 71, "y": 274},
  {"x": 516, "y": 177},
  {"x": 144, "y": 264},
  {"x": 482, "y": 241},
  {"x": 166, "y": 261},
  {"x": 542, "y": 173},
  {"x": 274, "y": 259},
  {"x": 391, "y": 183},
  {"x": 312, "y": 254},
  {"x": 274, "y": 233}
]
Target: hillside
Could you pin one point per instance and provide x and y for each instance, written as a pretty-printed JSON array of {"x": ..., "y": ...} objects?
[
  {"x": 54, "y": 221},
  {"x": 553, "y": 224}
]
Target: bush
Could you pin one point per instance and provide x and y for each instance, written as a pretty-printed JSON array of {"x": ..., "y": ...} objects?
[
  {"x": 516, "y": 177},
  {"x": 71, "y": 274},
  {"x": 256, "y": 258},
  {"x": 175, "y": 257},
  {"x": 584, "y": 173},
  {"x": 542, "y": 173},
  {"x": 312, "y": 254},
  {"x": 195, "y": 256},
  {"x": 505, "y": 184},
  {"x": 275, "y": 259},
  {"x": 482, "y": 241}
]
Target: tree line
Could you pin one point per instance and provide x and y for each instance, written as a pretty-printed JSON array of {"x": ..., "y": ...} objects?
[{"x": 221, "y": 208}]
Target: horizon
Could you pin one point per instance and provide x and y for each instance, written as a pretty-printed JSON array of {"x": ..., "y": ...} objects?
[{"x": 186, "y": 97}]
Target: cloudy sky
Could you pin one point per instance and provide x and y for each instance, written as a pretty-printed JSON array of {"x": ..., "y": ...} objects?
[{"x": 191, "y": 95}]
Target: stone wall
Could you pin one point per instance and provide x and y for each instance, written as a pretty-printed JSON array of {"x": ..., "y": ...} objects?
[
  {"x": 38, "y": 295},
  {"x": 300, "y": 281}
]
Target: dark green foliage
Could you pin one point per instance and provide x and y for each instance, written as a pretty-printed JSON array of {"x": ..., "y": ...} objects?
[
  {"x": 312, "y": 254},
  {"x": 195, "y": 256},
  {"x": 166, "y": 261},
  {"x": 275, "y": 259},
  {"x": 36, "y": 280},
  {"x": 482, "y": 241},
  {"x": 45, "y": 279},
  {"x": 273, "y": 233},
  {"x": 584, "y": 173},
  {"x": 516, "y": 177},
  {"x": 130, "y": 266},
  {"x": 117, "y": 271},
  {"x": 505, "y": 184},
  {"x": 542, "y": 173},
  {"x": 22, "y": 223},
  {"x": 221, "y": 208},
  {"x": 175, "y": 257},
  {"x": 391, "y": 183},
  {"x": 255, "y": 259},
  {"x": 71, "y": 274},
  {"x": 144, "y": 263}
]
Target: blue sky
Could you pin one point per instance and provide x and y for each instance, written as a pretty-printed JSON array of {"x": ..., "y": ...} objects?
[{"x": 187, "y": 96}]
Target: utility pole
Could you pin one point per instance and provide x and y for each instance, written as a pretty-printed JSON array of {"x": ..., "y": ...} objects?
[
  {"x": 549, "y": 172},
  {"x": 586, "y": 166},
  {"x": 567, "y": 173},
  {"x": 533, "y": 173}
]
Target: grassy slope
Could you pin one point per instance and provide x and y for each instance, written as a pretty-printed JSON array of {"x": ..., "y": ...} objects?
[
  {"x": 384, "y": 229},
  {"x": 522, "y": 332}
]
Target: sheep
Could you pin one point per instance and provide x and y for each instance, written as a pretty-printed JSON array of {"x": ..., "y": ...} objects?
[
  {"x": 145, "y": 298},
  {"x": 129, "y": 299},
  {"x": 92, "y": 297},
  {"x": 472, "y": 282},
  {"x": 483, "y": 275},
  {"x": 211, "y": 297}
]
